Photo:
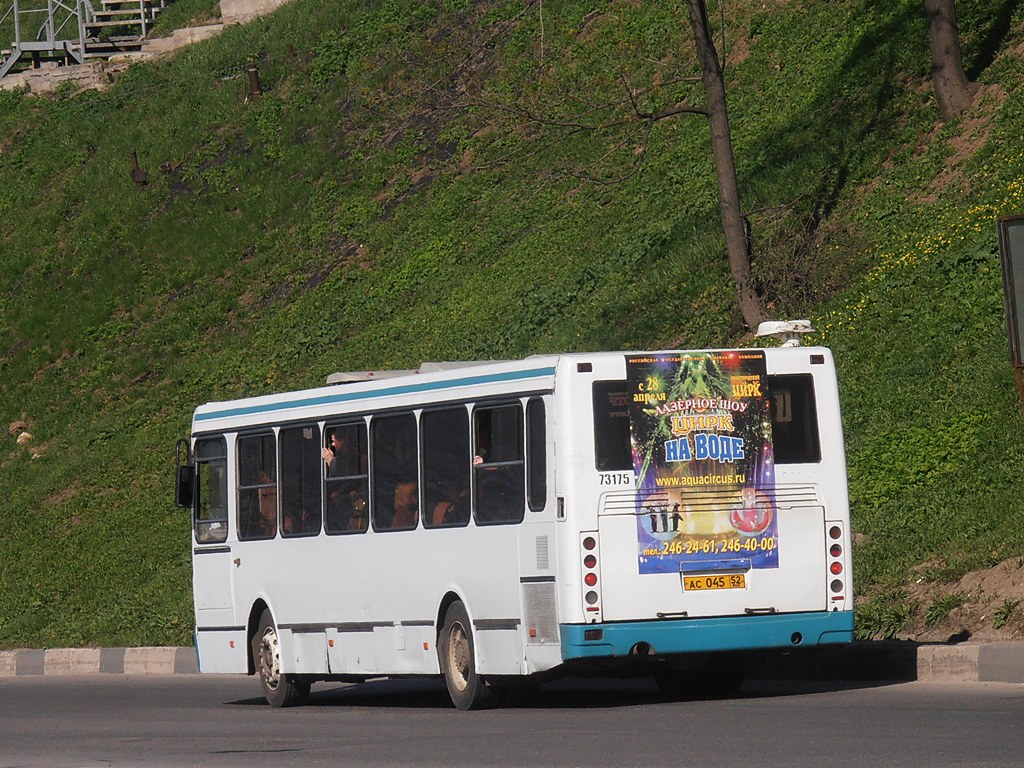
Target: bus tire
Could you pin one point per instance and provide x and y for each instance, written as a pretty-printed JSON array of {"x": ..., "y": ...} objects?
[
  {"x": 458, "y": 660},
  {"x": 281, "y": 689}
]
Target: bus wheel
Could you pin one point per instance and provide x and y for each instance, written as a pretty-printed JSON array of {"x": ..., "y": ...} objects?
[
  {"x": 282, "y": 690},
  {"x": 458, "y": 660}
]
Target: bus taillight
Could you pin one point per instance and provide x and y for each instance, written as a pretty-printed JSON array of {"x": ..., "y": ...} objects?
[
  {"x": 836, "y": 567},
  {"x": 590, "y": 562}
]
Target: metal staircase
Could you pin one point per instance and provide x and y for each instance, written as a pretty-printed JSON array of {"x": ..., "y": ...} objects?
[{"x": 64, "y": 32}]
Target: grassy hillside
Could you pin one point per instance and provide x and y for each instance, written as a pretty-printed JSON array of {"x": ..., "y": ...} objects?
[{"x": 449, "y": 180}]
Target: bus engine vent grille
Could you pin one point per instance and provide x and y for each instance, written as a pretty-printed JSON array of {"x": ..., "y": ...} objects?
[
  {"x": 541, "y": 613},
  {"x": 702, "y": 499},
  {"x": 543, "y": 561}
]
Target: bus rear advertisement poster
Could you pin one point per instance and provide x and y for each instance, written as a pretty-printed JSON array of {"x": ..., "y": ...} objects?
[{"x": 702, "y": 452}]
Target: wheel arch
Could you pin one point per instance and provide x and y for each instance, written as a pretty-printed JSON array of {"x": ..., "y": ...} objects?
[
  {"x": 450, "y": 597},
  {"x": 251, "y": 627}
]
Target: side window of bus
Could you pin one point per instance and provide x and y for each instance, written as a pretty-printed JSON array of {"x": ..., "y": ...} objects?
[
  {"x": 393, "y": 472},
  {"x": 612, "y": 450},
  {"x": 300, "y": 480},
  {"x": 498, "y": 466},
  {"x": 257, "y": 487},
  {"x": 536, "y": 455},
  {"x": 794, "y": 419},
  {"x": 346, "y": 478},
  {"x": 211, "y": 507},
  {"x": 446, "y": 462}
]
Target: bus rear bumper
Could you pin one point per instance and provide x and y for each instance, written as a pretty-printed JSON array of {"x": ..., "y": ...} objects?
[{"x": 727, "y": 633}]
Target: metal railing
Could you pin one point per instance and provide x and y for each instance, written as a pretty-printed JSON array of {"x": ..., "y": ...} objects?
[{"x": 65, "y": 29}]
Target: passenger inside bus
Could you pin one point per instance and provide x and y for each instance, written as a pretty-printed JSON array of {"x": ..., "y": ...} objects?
[
  {"x": 335, "y": 453},
  {"x": 454, "y": 507},
  {"x": 299, "y": 521},
  {"x": 264, "y": 524},
  {"x": 406, "y": 504},
  {"x": 347, "y": 490},
  {"x": 453, "y": 512},
  {"x": 346, "y": 506}
]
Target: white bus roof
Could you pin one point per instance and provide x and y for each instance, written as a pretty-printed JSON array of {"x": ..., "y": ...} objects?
[
  {"x": 429, "y": 382},
  {"x": 453, "y": 380}
]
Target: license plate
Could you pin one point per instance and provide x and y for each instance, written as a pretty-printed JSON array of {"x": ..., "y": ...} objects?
[{"x": 719, "y": 581}]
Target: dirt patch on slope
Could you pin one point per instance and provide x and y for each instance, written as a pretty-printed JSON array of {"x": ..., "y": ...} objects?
[{"x": 991, "y": 606}]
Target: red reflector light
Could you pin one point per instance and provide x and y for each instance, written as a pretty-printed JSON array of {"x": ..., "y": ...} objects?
[
  {"x": 593, "y": 634},
  {"x": 590, "y": 579},
  {"x": 589, "y": 543},
  {"x": 590, "y": 561},
  {"x": 836, "y": 568},
  {"x": 835, "y": 532},
  {"x": 835, "y": 550}
]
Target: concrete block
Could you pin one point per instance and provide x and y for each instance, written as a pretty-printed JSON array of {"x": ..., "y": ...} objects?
[
  {"x": 71, "y": 661},
  {"x": 15, "y": 82},
  {"x": 112, "y": 660},
  {"x": 185, "y": 661},
  {"x": 7, "y": 663},
  {"x": 1001, "y": 662},
  {"x": 948, "y": 662},
  {"x": 149, "y": 661},
  {"x": 159, "y": 46},
  {"x": 241, "y": 11},
  {"x": 29, "y": 662}
]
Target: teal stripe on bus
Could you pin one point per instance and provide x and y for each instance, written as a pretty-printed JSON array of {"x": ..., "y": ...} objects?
[{"x": 344, "y": 397}]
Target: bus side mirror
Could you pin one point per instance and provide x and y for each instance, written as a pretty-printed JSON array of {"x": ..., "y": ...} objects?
[
  {"x": 185, "y": 476},
  {"x": 185, "y": 485}
]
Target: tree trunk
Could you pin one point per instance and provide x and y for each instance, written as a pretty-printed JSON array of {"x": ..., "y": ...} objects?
[
  {"x": 952, "y": 88},
  {"x": 725, "y": 166}
]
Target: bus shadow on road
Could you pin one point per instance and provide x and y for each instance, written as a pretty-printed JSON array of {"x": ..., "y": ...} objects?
[{"x": 566, "y": 693}]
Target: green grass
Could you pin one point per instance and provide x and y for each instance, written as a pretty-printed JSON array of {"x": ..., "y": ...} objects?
[
  {"x": 1004, "y": 613},
  {"x": 407, "y": 188},
  {"x": 941, "y": 607}
]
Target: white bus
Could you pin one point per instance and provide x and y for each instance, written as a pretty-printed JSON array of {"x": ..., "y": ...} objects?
[{"x": 654, "y": 512}]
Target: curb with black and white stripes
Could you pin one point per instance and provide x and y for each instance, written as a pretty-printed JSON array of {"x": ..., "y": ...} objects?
[
  {"x": 895, "y": 660},
  {"x": 84, "y": 661}
]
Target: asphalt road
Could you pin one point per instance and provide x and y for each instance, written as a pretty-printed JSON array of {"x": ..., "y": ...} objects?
[{"x": 189, "y": 720}]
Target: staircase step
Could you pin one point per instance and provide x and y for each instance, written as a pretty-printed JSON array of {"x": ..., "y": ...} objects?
[
  {"x": 128, "y": 12},
  {"x": 122, "y": 21},
  {"x": 118, "y": 39},
  {"x": 119, "y": 23},
  {"x": 99, "y": 46},
  {"x": 104, "y": 56},
  {"x": 125, "y": 5}
]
